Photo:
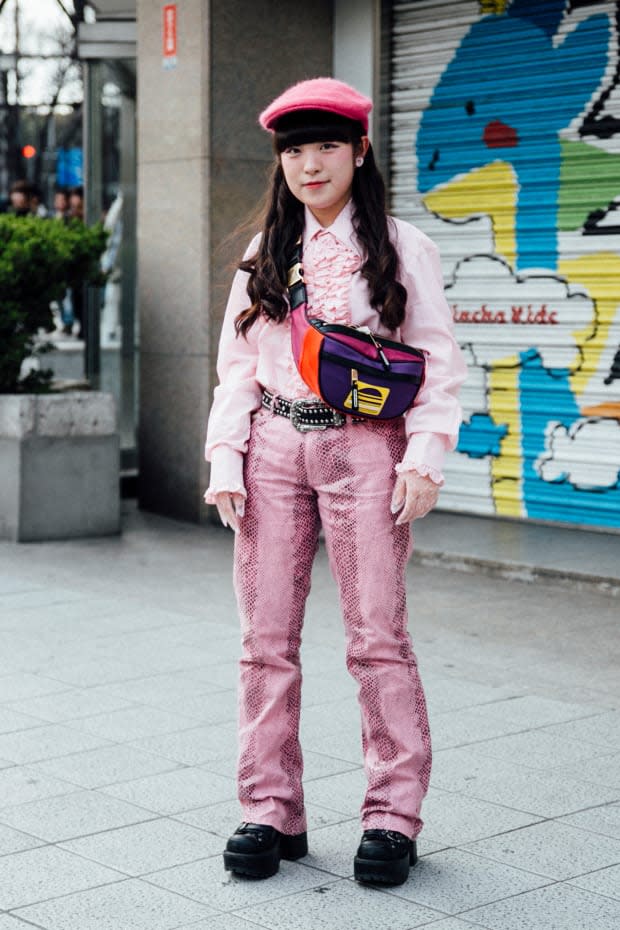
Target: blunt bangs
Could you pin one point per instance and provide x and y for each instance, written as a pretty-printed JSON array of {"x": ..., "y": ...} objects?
[{"x": 304, "y": 126}]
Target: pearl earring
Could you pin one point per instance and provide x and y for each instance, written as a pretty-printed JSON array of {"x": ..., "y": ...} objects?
[{"x": 359, "y": 161}]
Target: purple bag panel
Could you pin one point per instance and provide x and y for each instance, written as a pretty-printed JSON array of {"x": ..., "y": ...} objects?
[{"x": 299, "y": 328}]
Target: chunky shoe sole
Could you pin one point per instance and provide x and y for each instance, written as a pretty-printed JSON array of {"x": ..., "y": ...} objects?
[
  {"x": 265, "y": 864},
  {"x": 385, "y": 871}
]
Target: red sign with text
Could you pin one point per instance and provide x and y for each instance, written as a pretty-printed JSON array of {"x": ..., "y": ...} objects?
[{"x": 170, "y": 34}]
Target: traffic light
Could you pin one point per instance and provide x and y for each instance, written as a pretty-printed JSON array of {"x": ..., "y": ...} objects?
[{"x": 29, "y": 151}]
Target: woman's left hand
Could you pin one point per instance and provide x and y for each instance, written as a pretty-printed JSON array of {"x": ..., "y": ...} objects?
[
  {"x": 230, "y": 506},
  {"x": 414, "y": 495}
]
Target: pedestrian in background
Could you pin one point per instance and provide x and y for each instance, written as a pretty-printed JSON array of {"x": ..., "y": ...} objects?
[
  {"x": 76, "y": 203},
  {"x": 282, "y": 463},
  {"x": 37, "y": 206},
  {"x": 61, "y": 203},
  {"x": 20, "y": 197},
  {"x": 73, "y": 304}
]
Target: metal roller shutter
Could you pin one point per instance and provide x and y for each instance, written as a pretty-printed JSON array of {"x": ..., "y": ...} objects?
[{"x": 505, "y": 149}]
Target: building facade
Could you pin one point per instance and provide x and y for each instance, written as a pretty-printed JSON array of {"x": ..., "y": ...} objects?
[{"x": 498, "y": 126}]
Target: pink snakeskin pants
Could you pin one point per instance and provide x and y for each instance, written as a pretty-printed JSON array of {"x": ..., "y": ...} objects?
[{"x": 342, "y": 478}]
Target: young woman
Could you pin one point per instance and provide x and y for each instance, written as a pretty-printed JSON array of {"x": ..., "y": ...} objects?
[{"x": 283, "y": 463}]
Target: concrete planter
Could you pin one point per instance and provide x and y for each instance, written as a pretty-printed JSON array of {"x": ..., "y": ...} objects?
[{"x": 59, "y": 466}]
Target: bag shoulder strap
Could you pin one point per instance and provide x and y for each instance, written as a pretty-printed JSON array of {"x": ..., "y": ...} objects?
[{"x": 297, "y": 294}]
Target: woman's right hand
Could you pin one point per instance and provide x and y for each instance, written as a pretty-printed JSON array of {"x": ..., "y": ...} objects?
[{"x": 231, "y": 507}]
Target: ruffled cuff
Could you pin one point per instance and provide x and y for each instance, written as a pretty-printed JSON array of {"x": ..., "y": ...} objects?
[
  {"x": 425, "y": 454},
  {"x": 425, "y": 471},
  {"x": 226, "y": 473}
]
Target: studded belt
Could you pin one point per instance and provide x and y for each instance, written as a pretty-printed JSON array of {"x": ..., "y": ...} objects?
[{"x": 305, "y": 415}]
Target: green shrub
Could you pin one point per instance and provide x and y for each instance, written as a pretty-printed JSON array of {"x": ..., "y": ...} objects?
[{"x": 39, "y": 260}]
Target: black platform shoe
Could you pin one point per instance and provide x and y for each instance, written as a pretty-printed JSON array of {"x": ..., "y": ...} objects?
[
  {"x": 384, "y": 857},
  {"x": 255, "y": 850}
]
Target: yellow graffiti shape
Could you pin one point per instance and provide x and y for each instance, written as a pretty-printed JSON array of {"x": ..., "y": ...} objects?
[
  {"x": 493, "y": 6},
  {"x": 507, "y": 467},
  {"x": 490, "y": 190},
  {"x": 600, "y": 275}
]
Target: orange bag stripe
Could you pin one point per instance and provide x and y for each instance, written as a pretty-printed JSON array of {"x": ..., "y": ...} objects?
[{"x": 309, "y": 361}]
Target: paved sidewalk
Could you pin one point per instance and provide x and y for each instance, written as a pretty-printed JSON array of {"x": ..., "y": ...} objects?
[{"x": 117, "y": 739}]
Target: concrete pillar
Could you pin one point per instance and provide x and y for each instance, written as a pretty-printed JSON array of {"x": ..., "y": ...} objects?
[{"x": 202, "y": 165}]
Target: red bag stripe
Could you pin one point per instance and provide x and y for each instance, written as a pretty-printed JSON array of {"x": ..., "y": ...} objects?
[{"x": 309, "y": 360}]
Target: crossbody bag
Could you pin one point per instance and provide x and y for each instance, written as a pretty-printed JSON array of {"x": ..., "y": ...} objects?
[{"x": 350, "y": 368}]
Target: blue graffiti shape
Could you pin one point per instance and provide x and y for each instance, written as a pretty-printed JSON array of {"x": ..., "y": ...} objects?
[
  {"x": 505, "y": 96},
  {"x": 555, "y": 500},
  {"x": 481, "y": 436},
  {"x": 546, "y": 16}
]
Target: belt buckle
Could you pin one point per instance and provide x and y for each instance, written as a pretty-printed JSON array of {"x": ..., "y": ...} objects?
[{"x": 296, "y": 414}]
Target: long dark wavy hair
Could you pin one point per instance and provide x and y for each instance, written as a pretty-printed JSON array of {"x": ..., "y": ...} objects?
[{"x": 283, "y": 221}]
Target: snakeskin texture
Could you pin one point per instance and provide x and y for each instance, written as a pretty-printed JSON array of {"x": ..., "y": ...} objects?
[{"x": 342, "y": 479}]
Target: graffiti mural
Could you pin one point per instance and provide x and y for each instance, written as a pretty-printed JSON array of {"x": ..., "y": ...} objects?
[{"x": 520, "y": 138}]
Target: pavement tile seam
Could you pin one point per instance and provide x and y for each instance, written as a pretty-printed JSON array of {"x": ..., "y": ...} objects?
[
  {"x": 550, "y": 883},
  {"x": 57, "y": 897},
  {"x": 191, "y": 725},
  {"x": 237, "y": 910},
  {"x": 36, "y": 722},
  {"x": 336, "y": 880},
  {"x": 470, "y": 705},
  {"x": 491, "y": 740},
  {"x": 350, "y": 767},
  {"x": 163, "y": 703},
  {"x": 575, "y": 882},
  {"x": 137, "y": 743},
  {"x": 566, "y": 818},
  {"x": 526, "y": 810},
  {"x": 544, "y": 881},
  {"x": 41, "y": 694},
  {"x": 323, "y": 826},
  {"x": 38, "y": 843},
  {"x": 191, "y": 621},
  {"x": 65, "y": 720},
  {"x": 468, "y": 797},
  {"x": 390, "y": 892},
  {"x": 569, "y": 879},
  {"x": 529, "y": 728},
  {"x": 26, "y": 771},
  {"x": 489, "y": 750},
  {"x": 21, "y": 923},
  {"x": 105, "y": 743},
  {"x": 490, "y": 836},
  {"x": 249, "y": 924},
  {"x": 14, "y": 912},
  {"x": 92, "y": 858},
  {"x": 170, "y": 813},
  {"x": 588, "y": 896},
  {"x": 579, "y": 827},
  {"x": 462, "y": 920},
  {"x": 158, "y": 813},
  {"x": 81, "y": 836},
  {"x": 611, "y": 780},
  {"x": 174, "y": 767}
]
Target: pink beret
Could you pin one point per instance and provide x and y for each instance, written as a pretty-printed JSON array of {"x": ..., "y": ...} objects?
[{"x": 318, "y": 94}]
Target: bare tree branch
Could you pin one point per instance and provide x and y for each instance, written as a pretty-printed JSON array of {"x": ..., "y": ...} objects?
[{"x": 64, "y": 9}]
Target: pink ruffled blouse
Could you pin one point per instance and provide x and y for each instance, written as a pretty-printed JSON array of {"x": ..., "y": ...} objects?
[
  {"x": 328, "y": 266},
  {"x": 337, "y": 292}
]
